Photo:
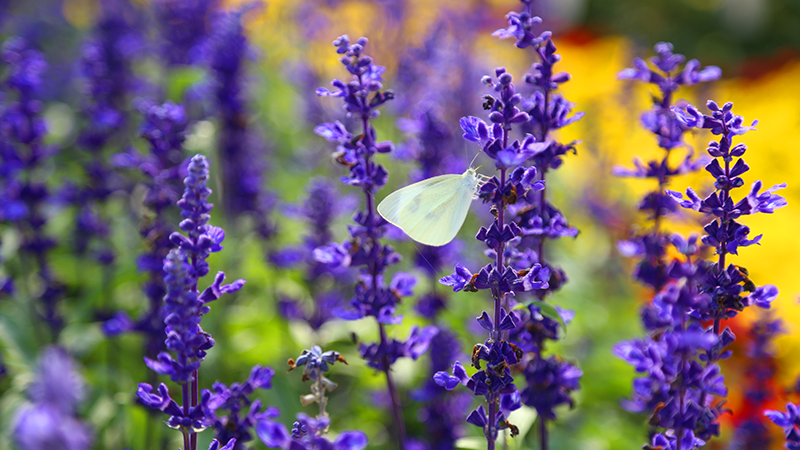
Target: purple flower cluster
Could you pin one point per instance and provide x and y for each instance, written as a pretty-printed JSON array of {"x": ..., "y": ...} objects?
[
  {"x": 549, "y": 381},
  {"x": 106, "y": 67},
  {"x": 24, "y": 193},
  {"x": 242, "y": 413},
  {"x": 309, "y": 433},
  {"x": 184, "y": 26},
  {"x": 679, "y": 357},
  {"x": 442, "y": 411},
  {"x": 184, "y": 307},
  {"x": 676, "y": 383},
  {"x": 669, "y": 73},
  {"x": 51, "y": 420},
  {"x": 164, "y": 127},
  {"x": 321, "y": 206},
  {"x": 517, "y": 268},
  {"x": 362, "y": 96},
  {"x": 108, "y": 80},
  {"x": 242, "y": 165},
  {"x": 433, "y": 145}
]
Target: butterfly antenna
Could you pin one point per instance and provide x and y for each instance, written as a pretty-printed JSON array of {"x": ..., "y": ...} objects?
[{"x": 476, "y": 157}]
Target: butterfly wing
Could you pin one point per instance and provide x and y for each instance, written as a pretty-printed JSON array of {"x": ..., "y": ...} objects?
[{"x": 431, "y": 211}]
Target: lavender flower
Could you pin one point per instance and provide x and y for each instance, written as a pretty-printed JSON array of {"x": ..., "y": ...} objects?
[
  {"x": 51, "y": 418},
  {"x": 373, "y": 297},
  {"x": 241, "y": 152},
  {"x": 25, "y": 194},
  {"x": 184, "y": 307}
]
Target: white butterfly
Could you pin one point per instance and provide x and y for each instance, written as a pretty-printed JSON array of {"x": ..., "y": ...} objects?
[{"x": 432, "y": 211}]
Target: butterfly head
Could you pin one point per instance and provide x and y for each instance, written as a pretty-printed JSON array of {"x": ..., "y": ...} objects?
[{"x": 475, "y": 178}]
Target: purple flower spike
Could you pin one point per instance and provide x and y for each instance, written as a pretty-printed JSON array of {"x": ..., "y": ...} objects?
[
  {"x": 51, "y": 417},
  {"x": 362, "y": 97},
  {"x": 681, "y": 387},
  {"x": 184, "y": 307},
  {"x": 523, "y": 220},
  {"x": 243, "y": 152},
  {"x": 24, "y": 195}
]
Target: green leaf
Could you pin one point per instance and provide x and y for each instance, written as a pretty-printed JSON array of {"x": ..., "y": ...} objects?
[{"x": 546, "y": 310}]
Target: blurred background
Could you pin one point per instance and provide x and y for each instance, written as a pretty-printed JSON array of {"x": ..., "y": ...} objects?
[{"x": 435, "y": 52}]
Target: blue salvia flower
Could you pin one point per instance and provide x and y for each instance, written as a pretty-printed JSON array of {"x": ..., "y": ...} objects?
[
  {"x": 108, "y": 81},
  {"x": 242, "y": 413},
  {"x": 106, "y": 67},
  {"x": 362, "y": 96},
  {"x": 668, "y": 73},
  {"x": 322, "y": 205},
  {"x": 513, "y": 271},
  {"x": 550, "y": 381},
  {"x": 164, "y": 127},
  {"x": 309, "y": 433},
  {"x": 184, "y": 307},
  {"x": 22, "y": 152},
  {"x": 315, "y": 364},
  {"x": 677, "y": 378},
  {"x": 184, "y": 26},
  {"x": 50, "y": 421},
  {"x": 678, "y": 357},
  {"x": 241, "y": 152},
  {"x": 727, "y": 287}
]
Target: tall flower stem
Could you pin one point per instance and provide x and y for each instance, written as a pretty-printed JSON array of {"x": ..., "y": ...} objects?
[
  {"x": 397, "y": 409},
  {"x": 543, "y": 433},
  {"x": 185, "y": 402}
]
